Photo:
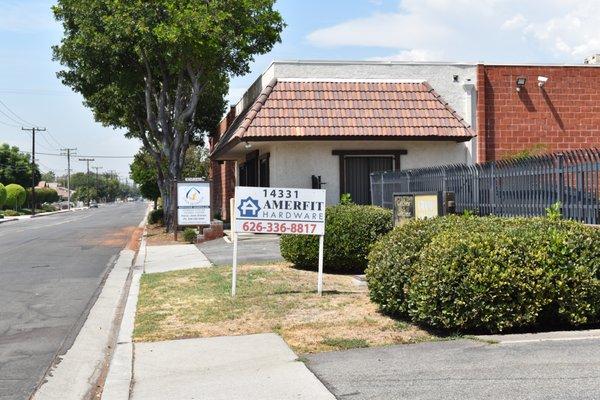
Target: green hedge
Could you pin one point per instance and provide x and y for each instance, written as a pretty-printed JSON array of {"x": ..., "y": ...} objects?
[
  {"x": 156, "y": 216},
  {"x": 2, "y": 195},
  {"x": 15, "y": 196},
  {"x": 491, "y": 274},
  {"x": 350, "y": 231}
]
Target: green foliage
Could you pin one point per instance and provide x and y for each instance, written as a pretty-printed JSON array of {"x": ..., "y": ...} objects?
[
  {"x": 346, "y": 199},
  {"x": 11, "y": 213},
  {"x": 554, "y": 212},
  {"x": 392, "y": 261},
  {"x": 15, "y": 196},
  {"x": 143, "y": 171},
  {"x": 350, "y": 231},
  {"x": 2, "y": 195},
  {"x": 190, "y": 235},
  {"x": 42, "y": 195},
  {"x": 156, "y": 216},
  {"x": 15, "y": 167},
  {"x": 491, "y": 274}
]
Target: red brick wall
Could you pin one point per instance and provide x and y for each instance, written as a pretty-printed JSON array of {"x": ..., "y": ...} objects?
[
  {"x": 222, "y": 173},
  {"x": 564, "y": 114}
]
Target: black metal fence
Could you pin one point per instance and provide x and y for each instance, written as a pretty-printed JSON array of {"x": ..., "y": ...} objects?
[{"x": 519, "y": 187}]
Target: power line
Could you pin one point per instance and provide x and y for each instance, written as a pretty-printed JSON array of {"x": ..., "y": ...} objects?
[
  {"x": 21, "y": 120},
  {"x": 11, "y": 125},
  {"x": 90, "y": 156},
  {"x": 56, "y": 141}
]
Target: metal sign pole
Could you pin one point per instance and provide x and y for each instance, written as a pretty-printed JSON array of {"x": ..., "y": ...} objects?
[
  {"x": 320, "y": 278},
  {"x": 235, "y": 249}
]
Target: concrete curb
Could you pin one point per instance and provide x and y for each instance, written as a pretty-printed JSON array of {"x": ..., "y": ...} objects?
[
  {"x": 4, "y": 220},
  {"x": 57, "y": 212},
  {"x": 79, "y": 373},
  {"x": 75, "y": 376},
  {"x": 117, "y": 385},
  {"x": 516, "y": 338}
]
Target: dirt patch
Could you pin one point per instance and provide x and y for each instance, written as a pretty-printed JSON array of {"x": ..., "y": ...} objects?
[
  {"x": 273, "y": 298},
  {"x": 156, "y": 236},
  {"x": 118, "y": 238},
  {"x": 134, "y": 240}
]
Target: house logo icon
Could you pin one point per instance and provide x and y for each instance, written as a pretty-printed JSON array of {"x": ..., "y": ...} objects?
[{"x": 249, "y": 208}]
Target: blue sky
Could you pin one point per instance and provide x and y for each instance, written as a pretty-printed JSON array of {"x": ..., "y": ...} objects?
[{"x": 555, "y": 31}]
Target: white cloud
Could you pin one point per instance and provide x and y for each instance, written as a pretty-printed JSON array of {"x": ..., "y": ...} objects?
[
  {"x": 559, "y": 30},
  {"x": 518, "y": 21},
  {"x": 411, "y": 55}
]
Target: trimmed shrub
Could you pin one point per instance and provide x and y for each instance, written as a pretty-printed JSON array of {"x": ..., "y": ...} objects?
[
  {"x": 392, "y": 262},
  {"x": 350, "y": 231},
  {"x": 11, "y": 213},
  {"x": 2, "y": 195},
  {"x": 15, "y": 196},
  {"x": 190, "y": 235},
  {"x": 156, "y": 217},
  {"x": 490, "y": 273}
]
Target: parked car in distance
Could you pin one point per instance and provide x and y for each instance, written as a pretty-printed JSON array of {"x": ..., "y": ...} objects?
[{"x": 93, "y": 204}]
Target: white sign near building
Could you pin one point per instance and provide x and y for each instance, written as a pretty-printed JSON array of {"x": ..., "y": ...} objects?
[
  {"x": 280, "y": 211},
  {"x": 193, "y": 203}
]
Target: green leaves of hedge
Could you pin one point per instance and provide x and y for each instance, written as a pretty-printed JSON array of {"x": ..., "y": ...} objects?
[
  {"x": 350, "y": 232},
  {"x": 488, "y": 273}
]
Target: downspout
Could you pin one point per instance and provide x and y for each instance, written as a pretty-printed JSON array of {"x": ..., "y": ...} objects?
[{"x": 470, "y": 118}]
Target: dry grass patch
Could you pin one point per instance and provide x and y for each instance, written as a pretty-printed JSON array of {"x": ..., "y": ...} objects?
[
  {"x": 156, "y": 236},
  {"x": 271, "y": 298}
]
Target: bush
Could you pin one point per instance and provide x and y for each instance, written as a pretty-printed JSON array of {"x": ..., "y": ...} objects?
[
  {"x": 491, "y": 274},
  {"x": 392, "y": 262},
  {"x": 156, "y": 217},
  {"x": 190, "y": 235},
  {"x": 350, "y": 231},
  {"x": 15, "y": 196},
  {"x": 11, "y": 213},
  {"x": 2, "y": 195}
]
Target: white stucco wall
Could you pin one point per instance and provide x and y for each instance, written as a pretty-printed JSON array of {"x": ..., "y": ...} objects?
[{"x": 293, "y": 163}]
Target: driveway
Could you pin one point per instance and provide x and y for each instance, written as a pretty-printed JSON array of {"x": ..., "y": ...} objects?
[
  {"x": 464, "y": 369},
  {"x": 251, "y": 249}
]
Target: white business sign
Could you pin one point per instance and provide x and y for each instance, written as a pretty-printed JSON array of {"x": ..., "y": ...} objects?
[
  {"x": 279, "y": 210},
  {"x": 193, "y": 203}
]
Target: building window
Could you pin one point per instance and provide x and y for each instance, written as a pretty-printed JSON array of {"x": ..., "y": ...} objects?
[{"x": 263, "y": 170}]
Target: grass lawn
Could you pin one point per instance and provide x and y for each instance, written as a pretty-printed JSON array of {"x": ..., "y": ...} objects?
[{"x": 271, "y": 298}]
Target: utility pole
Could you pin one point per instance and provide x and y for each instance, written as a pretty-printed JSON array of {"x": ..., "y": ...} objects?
[
  {"x": 33, "y": 130},
  {"x": 87, "y": 175},
  {"x": 68, "y": 152},
  {"x": 97, "y": 189}
]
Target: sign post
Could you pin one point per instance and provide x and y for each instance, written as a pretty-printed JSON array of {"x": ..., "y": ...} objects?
[{"x": 280, "y": 211}]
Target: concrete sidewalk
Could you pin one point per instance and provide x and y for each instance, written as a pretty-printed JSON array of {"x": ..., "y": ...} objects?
[
  {"x": 174, "y": 257},
  {"x": 250, "y": 367}
]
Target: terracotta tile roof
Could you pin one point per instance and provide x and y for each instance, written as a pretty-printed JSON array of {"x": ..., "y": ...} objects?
[{"x": 313, "y": 109}]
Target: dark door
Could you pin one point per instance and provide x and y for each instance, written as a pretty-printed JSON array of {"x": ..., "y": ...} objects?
[{"x": 357, "y": 174}]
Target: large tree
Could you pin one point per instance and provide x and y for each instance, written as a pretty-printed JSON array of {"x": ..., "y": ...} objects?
[
  {"x": 161, "y": 68},
  {"x": 15, "y": 167}
]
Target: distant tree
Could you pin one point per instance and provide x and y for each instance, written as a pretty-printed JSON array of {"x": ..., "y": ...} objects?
[
  {"x": 2, "y": 195},
  {"x": 49, "y": 176},
  {"x": 15, "y": 167},
  {"x": 196, "y": 163},
  {"x": 160, "y": 69},
  {"x": 143, "y": 172}
]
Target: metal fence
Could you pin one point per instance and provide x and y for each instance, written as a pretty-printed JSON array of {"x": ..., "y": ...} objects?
[{"x": 520, "y": 187}]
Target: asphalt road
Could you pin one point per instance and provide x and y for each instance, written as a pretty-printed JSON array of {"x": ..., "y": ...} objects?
[
  {"x": 464, "y": 369},
  {"x": 51, "y": 270}
]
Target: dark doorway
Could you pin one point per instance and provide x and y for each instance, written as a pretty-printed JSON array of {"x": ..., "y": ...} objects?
[{"x": 357, "y": 175}]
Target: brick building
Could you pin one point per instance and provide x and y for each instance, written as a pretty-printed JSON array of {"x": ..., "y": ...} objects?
[{"x": 561, "y": 113}]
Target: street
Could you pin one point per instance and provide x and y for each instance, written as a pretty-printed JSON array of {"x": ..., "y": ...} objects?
[
  {"x": 51, "y": 271},
  {"x": 464, "y": 369}
]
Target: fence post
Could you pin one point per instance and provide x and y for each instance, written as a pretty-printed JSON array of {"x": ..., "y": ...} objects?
[
  {"x": 493, "y": 187},
  {"x": 559, "y": 173},
  {"x": 382, "y": 186},
  {"x": 408, "y": 182},
  {"x": 444, "y": 177}
]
